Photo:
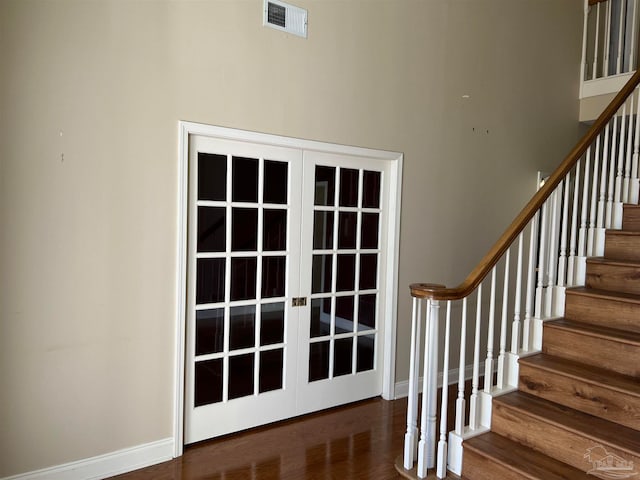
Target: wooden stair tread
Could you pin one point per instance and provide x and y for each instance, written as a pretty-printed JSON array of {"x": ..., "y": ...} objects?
[
  {"x": 613, "y": 261},
  {"x": 584, "y": 373},
  {"x": 604, "y": 294},
  {"x": 599, "y": 331},
  {"x": 623, "y": 233},
  {"x": 598, "y": 429},
  {"x": 527, "y": 462}
]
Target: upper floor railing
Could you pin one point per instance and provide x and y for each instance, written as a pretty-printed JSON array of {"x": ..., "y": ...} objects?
[
  {"x": 496, "y": 314},
  {"x": 609, "y": 46}
]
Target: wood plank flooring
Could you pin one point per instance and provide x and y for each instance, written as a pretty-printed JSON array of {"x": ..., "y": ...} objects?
[{"x": 357, "y": 441}]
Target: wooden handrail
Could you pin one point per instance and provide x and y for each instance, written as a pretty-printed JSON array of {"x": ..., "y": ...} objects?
[{"x": 478, "y": 274}]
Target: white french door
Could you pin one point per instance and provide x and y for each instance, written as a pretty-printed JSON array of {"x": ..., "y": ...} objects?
[{"x": 286, "y": 283}]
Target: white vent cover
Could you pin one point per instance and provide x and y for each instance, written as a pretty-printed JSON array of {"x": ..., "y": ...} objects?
[{"x": 285, "y": 17}]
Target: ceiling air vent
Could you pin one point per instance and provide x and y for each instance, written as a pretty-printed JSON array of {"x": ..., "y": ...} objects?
[{"x": 285, "y": 17}]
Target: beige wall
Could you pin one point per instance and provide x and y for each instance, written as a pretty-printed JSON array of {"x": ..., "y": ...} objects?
[{"x": 88, "y": 241}]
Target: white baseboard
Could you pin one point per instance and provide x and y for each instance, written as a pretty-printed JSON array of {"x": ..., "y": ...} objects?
[
  {"x": 402, "y": 388},
  {"x": 107, "y": 465}
]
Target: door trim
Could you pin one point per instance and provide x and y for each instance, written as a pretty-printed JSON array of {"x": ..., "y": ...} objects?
[{"x": 186, "y": 129}]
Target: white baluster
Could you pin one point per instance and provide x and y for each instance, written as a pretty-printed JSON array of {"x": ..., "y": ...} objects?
[
  {"x": 615, "y": 138},
  {"x": 594, "y": 198},
  {"x": 426, "y": 446},
  {"x": 529, "y": 300},
  {"x": 583, "y": 63},
  {"x": 411, "y": 436},
  {"x": 607, "y": 40},
  {"x": 441, "y": 468},
  {"x": 474, "y": 406},
  {"x": 571, "y": 278},
  {"x": 621, "y": 29},
  {"x": 460, "y": 401},
  {"x": 595, "y": 48},
  {"x": 617, "y": 205},
  {"x": 488, "y": 363},
  {"x": 634, "y": 36},
  {"x": 634, "y": 183},
  {"x": 602, "y": 199},
  {"x": 558, "y": 308},
  {"x": 515, "y": 328},
  {"x": 553, "y": 253},
  {"x": 503, "y": 322},
  {"x": 542, "y": 253},
  {"x": 582, "y": 236},
  {"x": 628, "y": 157}
]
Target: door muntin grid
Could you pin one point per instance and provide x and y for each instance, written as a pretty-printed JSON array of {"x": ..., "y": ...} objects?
[
  {"x": 345, "y": 271},
  {"x": 241, "y": 269}
]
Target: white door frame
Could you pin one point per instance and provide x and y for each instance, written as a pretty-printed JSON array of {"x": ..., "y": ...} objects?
[{"x": 186, "y": 129}]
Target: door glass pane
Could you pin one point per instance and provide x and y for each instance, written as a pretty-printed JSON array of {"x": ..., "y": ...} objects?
[
  {"x": 245, "y": 180},
  {"x": 342, "y": 356},
  {"x": 208, "y": 382},
  {"x": 318, "y": 361},
  {"x": 346, "y": 274},
  {"x": 371, "y": 189},
  {"x": 367, "y": 312},
  {"x": 275, "y": 182},
  {"x": 212, "y": 177},
  {"x": 344, "y": 314},
  {"x": 273, "y": 276},
  {"x": 210, "y": 280},
  {"x": 368, "y": 271},
  {"x": 243, "y": 278},
  {"x": 211, "y": 229},
  {"x": 320, "y": 317},
  {"x": 347, "y": 224},
  {"x": 365, "y": 353},
  {"x": 209, "y": 331},
  {"x": 242, "y": 322},
  {"x": 272, "y": 323},
  {"x": 369, "y": 231},
  {"x": 322, "y": 230},
  {"x": 321, "y": 273},
  {"x": 244, "y": 229},
  {"x": 274, "y": 236},
  {"x": 270, "y": 375},
  {"x": 325, "y": 186},
  {"x": 241, "y": 368},
  {"x": 348, "y": 187}
]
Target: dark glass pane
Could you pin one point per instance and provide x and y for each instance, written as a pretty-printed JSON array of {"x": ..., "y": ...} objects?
[
  {"x": 348, "y": 187},
  {"x": 275, "y": 182},
  {"x": 323, "y": 230},
  {"x": 208, "y": 382},
  {"x": 274, "y": 236},
  {"x": 210, "y": 280},
  {"x": 368, "y": 271},
  {"x": 243, "y": 278},
  {"x": 321, "y": 273},
  {"x": 211, "y": 229},
  {"x": 245, "y": 180},
  {"x": 344, "y": 314},
  {"x": 242, "y": 327},
  {"x": 342, "y": 356},
  {"x": 369, "y": 230},
  {"x": 371, "y": 189},
  {"x": 241, "y": 375},
  {"x": 209, "y": 331},
  {"x": 272, "y": 323},
  {"x": 346, "y": 275},
  {"x": 347, "y": 223},
  {"x": 273, "y": 276},
  {"x": 244, "y": 229},
  {"x": 320, "y": 317},
  {"x": 365, "y": 353},
  {"x": 212, "y": 176},
  {"x": 318, "y": 361},
  {"x": 367, "y": 312},
  {"x": 325, "y": 186},
  {"x": 270, "y": 374}
]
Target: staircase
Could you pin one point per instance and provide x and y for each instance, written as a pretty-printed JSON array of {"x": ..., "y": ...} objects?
[{"x": 576, "y": 413}]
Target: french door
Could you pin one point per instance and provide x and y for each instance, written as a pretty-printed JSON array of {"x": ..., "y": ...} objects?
[{"x": 285, "y": 283}]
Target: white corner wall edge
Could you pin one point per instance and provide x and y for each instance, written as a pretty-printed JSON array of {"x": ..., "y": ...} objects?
[{"x": 107, "y": 465}]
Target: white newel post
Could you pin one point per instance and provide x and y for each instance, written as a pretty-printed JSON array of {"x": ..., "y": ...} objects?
[{"x": 410, "y": 438}]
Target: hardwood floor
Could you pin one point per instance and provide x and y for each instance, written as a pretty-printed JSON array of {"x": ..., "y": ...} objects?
[{"x": 357, "y": 441}]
